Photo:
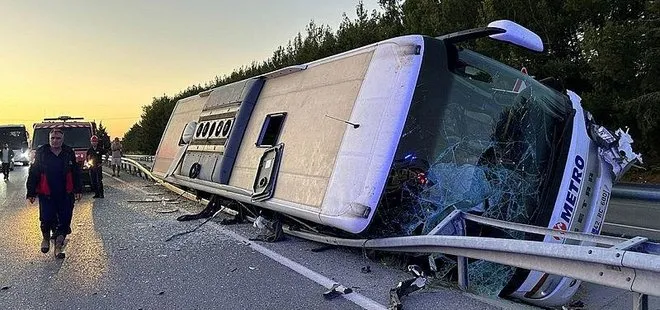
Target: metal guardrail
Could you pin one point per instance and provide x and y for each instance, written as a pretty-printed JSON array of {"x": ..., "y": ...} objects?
[
  {"x": 649, "y": 192},
  {"x": 630, "y": 264},
  {"x": 142, "y": 158},
  {"x": 132, "y": 167}
]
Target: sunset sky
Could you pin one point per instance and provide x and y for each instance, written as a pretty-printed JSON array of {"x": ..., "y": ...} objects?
[{"x": 104, "y": 60}]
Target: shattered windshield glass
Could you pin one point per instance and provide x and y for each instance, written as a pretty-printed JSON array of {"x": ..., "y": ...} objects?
[{"x": 480, "y": 137}]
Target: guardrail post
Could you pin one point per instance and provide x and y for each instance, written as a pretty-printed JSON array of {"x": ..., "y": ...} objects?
[
  {"x": 462, "y": 272},
  {"x": 462, "y": 262},
  {"x": 455, "y": 222},
  {"x": 640, "y": 301}
]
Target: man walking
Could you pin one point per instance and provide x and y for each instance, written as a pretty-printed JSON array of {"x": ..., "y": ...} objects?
[
  {"x": 54, "y": 177},
  {"x": 6, "y": 156},
  {"x": 116, "y": 156},
  {"x": 95, "y": 156}
]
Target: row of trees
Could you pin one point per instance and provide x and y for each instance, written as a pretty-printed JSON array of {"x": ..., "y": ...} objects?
[{"x": 608, "y": 51}]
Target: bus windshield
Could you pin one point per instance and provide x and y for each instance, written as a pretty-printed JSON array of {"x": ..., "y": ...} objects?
[
  {"x": 75, "y": 137},
  {"x": 14, "y": 136}
]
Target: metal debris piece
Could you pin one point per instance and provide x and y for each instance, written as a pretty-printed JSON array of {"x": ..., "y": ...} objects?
[
  {"x": 574, "y": 305},
  {"x": 236, "y": 219},
  {"x": 404, "y": 288},
  {"x": 273, "y": 230},
  {"x": 167, "y": 211},
  {"x": 432, "y": 266},
  {"x": 163, "y": 200},
  {"x": 337, "y": 290},
  {"x": 194, "y": 229},
  {"x": 210, "y": 211}
]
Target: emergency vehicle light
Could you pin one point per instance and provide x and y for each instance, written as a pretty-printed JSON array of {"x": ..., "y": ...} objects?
[{"x": 63, "y": 118}]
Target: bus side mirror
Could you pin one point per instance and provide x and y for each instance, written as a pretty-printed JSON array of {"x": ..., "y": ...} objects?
[{"x": 517, "y": 35}]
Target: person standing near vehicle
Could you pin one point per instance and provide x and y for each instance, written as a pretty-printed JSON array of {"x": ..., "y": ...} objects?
[
  {"x": 95, "y": 160},
  {"x": 6, "y": 156},
  {"x": 55, "y": 178},
  {"x": 116, "y": 156}
]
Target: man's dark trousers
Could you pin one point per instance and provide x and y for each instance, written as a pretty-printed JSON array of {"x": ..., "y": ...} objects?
[
  {"x": 96, "y": 177},
  {"x": 55, "y": 214},
  {"x": 5, "y": 170}
]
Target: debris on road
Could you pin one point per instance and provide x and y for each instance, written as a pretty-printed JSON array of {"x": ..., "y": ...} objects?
[
  {"x": 366, "y": 269},
  {"x": 272, "y": 230},
  {"x": 143, "y": 200},
  {"x": 167, "y": 210},
  {"x": 575, "y": 305},
  {"x": 404, "y": 288},
  {"x": 163, "y": 200},
  {"x": 337, "y": 290},
  {"x": 194, "y": 229},
  {"x": 210, "y": 211}
]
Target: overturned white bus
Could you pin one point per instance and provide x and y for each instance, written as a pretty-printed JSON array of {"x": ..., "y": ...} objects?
[{"x": 389, "y": 138}]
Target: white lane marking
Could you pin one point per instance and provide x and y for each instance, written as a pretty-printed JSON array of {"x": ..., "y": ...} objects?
[{"x": 356, "y": 298}]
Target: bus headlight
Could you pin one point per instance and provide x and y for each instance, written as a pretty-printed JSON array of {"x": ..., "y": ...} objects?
[{"x": 544, "y": 287}]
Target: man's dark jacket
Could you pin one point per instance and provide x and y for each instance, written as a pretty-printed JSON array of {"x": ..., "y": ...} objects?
[{"x": 39, "y": 169}]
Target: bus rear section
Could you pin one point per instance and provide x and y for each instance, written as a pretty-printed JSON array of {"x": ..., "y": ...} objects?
[{"x": 77, "y": 135}]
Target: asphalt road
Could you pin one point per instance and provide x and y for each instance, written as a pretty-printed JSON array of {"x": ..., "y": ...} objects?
[
  {"x": 632, "y": 218},
  {"x": 118, "y": 257}
]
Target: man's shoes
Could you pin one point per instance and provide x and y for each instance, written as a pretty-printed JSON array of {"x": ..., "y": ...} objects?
[
  {"x": 96, "y": 196},
  {"x": 45, "y": 245},
  {"x": 59, "y": 247}
]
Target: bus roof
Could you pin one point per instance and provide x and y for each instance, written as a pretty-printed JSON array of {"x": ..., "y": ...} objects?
[
  {"x": 12, "y": 126},
  {"x": 63, "y": 124}
]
